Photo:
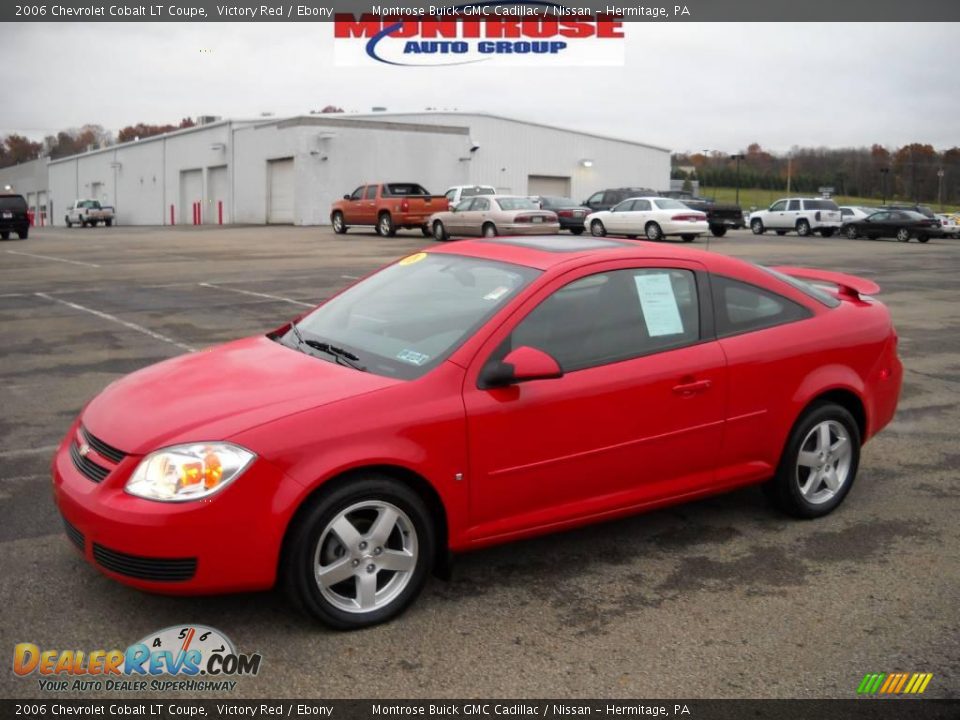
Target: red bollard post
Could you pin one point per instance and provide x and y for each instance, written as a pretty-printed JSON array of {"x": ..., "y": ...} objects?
[
  {"x": 219, "y": 212},
  {"x": 172, "y": 219}
]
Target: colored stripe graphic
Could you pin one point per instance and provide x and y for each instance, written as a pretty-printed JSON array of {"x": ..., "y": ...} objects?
[{"x": 894, "y": 683}]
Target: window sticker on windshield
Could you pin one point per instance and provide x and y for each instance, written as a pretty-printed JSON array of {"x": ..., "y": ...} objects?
[
  {"x": 497, "y": 293},
  {"x": 411, "y": 259},
  {"x": 659, "y": 304},
  {"x": 412, "y": 357}
]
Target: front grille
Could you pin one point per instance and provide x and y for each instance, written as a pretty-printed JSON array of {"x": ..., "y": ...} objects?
[
  {"x": 74, "y": 535},
  {"x": 145, "y": 568},
  {"x": 108, "y": 451},
  {"x": 87, "y": 467}
]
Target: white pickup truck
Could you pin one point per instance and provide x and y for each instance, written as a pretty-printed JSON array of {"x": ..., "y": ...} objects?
[{"x": 88, "y": 212}]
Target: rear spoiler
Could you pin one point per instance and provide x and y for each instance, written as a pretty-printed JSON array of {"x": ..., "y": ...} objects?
[{"x": 850, "y": 286}]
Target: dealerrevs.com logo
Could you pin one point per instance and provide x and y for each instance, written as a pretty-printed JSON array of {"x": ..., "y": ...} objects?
[
  {"x": 181, "y": 657},
  {"x": 498, "y": 33}
]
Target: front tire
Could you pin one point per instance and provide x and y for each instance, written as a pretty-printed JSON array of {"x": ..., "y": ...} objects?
[
  {"x": 597, "y": 229},
  {"x": 819, "y": 463},
  {"x": 757, "y": 226},
  {"x": 339, "y": 226},
  {"x": 654, "y": 231},
  {"x": 852, "y": 233},
  {"x": 803, "y": 228},
  {"x": 718, "y": 230},
  {"x": 440, "y": 232},
  {"x": 359, "y": 554},
  {"x": 67, "y": 221}
]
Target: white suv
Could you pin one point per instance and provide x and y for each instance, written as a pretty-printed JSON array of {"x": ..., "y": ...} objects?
[{"x": 803, "y": 215}]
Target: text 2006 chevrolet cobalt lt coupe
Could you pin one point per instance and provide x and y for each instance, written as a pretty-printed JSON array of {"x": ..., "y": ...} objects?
[{"x": 475, "y": 394}]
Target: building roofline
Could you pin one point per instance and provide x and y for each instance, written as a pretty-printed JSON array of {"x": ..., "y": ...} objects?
[
  {"x": 341, "y": 120},
  {"x": 534, "y": 123},
  {"x": 153, "y": 138}
]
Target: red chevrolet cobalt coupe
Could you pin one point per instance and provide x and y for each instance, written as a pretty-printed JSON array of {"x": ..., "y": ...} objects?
[{"x": 471, "y": 395}]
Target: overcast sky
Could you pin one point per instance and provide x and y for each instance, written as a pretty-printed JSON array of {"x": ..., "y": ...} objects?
[{"x": 684, "y": 86}]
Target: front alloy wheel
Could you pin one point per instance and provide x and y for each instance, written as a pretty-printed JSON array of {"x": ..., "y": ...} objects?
[
  {"x": 597, "y": 229},
  {"x": 359, "y": 554}
]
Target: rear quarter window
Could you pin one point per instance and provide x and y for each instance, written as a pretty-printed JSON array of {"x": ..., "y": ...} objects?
[{"x": 741, "y": 307}]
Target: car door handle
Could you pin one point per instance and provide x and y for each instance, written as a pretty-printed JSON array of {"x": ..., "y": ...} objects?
[{"x": 694, "y": 387}]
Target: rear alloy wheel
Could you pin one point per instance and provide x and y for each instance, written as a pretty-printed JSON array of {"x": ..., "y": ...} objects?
[
  {"x": 718, "y": 230},
  {"x": 360, "y": 554},
  {"x": 852, "y": 232},
  {"x": 653, "y": 231},
  {"x": 803, "y": 228},
  {"x": 440, "y": 232},
  {"x": 688, "y": 238},
  {"x": 819, "y": 464},
  {"x": 903, "y": 235},
  {"x": 385, "y": 225},
  {"x": 489, "y": 230},
  {"x": 339, "y": 226},
  {"x": 597, "y": 229},
  {"x": 757, "y": 226}
]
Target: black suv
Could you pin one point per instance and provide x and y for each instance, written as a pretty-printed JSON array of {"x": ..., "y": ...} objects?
[
  {"x": 606, "y": 199},
  {"x": 13, "y": 216}
]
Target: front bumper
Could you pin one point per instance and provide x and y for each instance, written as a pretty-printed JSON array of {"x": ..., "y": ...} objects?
[{"x": 228, "y": 542}]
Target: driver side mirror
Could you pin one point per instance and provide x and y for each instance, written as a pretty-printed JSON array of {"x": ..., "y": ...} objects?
[
  {"x": 348, "y": 197},
  {"x": 522, "y": 364}
]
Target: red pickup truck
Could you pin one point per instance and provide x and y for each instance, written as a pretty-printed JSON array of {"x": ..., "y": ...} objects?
[{"x": 387, "y": 207}]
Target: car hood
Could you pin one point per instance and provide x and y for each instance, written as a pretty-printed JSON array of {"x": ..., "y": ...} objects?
[{"x": 217, "y": 393}]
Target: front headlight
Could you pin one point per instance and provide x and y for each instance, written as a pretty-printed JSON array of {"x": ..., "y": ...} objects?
[{"x": 188, "y": 472}]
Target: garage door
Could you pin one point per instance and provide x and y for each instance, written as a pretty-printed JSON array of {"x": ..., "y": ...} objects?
[
  {"x": 191, "y": 192},
  {"x": 217, "y": 188},
  {"x": 280, "y": 191},
  {"x": 548, "y": 185}
]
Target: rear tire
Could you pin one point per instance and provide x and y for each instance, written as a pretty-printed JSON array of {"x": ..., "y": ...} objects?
[
  {"x": 67, "y": 221},
  {"x": 576, "y": 231},
  {"x": 4, "y": 235},
  {"x": 425, "y": 231},
  {"x": 597, "y": 229},
  {"x": 757, "y": 226},
  {"x": 653, "y": 231},
  {"x": 923, "y": 238},
  {"x": 372, "y": 574},
  {"x": 819, "y": 463},
  {"x": 339, "y": 226},
  {"x": 903, "y": 235},
  {"x": 440, "y": 232},
  {"x": 781, "y": 233},
  {"x": 385, "y": 225},
  {"x": 489, "y": 230},
  {"x": 827, "y": 232},
  {"x": 688, "y": 238},
  {"x": 108, "y": 223},
  {"x": 803, "y": 228},
  {"x": 718, "y": 230},
  {"x": 23, "y": 234}
]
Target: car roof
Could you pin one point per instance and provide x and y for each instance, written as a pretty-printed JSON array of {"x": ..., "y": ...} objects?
[{"x": 546, "y": 251}]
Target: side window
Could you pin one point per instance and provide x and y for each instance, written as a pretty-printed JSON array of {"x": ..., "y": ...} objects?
[
  {"x": 879, "y": 217},
  {"x": 741, "y": 307},
  {"x": 625, "y": 206},
  {"x": 778, "y": 206},
  {"x": 612, "y": 316},
  {"x": 794, "y": 205},
  {"x": 465, "y": 205},
  {"x": 370, "y": 193},
  {"x": 641, "y": 204},
  {"x": 480, "y": 203},
  {"x": 357, "y": 194}
]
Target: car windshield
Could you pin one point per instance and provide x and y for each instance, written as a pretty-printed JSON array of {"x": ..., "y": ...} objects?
[
  {"x": 670, "y": 204},
  {"x": 518, "y": 203},
  {"x": 471, "y": 191},
  {"x": 820, "y": 205},
  {"x": 407, "y": 318}
]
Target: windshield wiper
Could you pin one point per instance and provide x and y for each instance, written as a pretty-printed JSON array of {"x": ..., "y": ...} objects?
[{"x": 341, "y": 355}]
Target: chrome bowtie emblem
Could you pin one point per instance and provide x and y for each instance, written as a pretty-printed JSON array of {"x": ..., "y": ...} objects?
[{"x": 84, "y": 450}]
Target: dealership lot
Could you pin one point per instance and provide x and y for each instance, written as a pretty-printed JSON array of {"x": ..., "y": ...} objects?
[{"x": 720, "y": 598}]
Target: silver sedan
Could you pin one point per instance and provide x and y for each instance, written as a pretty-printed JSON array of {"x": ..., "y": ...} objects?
[{"x": 492, "y": 215}]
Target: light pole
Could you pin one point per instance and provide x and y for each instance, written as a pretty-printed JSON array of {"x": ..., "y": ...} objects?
[
  {"x": 940, "y": 188},
  {"x": 884, "y": 171},
  {"x": 706, "y": 158},
  {"x": 738, "y": 157}
]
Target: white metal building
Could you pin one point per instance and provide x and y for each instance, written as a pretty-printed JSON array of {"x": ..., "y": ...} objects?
[
  {"x": 290, "y": 170},
  {"x": 30, "y": 180}
]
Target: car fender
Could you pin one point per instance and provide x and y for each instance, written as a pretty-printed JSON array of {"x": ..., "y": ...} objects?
[{"x": 821, "y": 380}]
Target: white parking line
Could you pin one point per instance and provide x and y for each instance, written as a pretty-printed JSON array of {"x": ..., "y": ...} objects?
[
  {"x": 256, "y": 294},
  {"x": 55, "y": 259},
  {"x": 114, "y": 318},
  {"x": 350, "y": 277},
  {"x": 20, "y": 478},
  {"x": 28, "y": 451}
]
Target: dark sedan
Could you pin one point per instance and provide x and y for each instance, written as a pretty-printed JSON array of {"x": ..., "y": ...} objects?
[
  {"x": 569, "y": 212},
  {"x": 899, "y": 224}
]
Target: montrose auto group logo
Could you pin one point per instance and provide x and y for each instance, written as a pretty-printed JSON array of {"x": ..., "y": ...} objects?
[
  {"x": 180, "y": 657},
  {"x": 528, "y": 33}
]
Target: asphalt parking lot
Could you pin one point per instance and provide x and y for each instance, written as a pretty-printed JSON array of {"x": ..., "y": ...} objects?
[{"x": 719, "y": 598}]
